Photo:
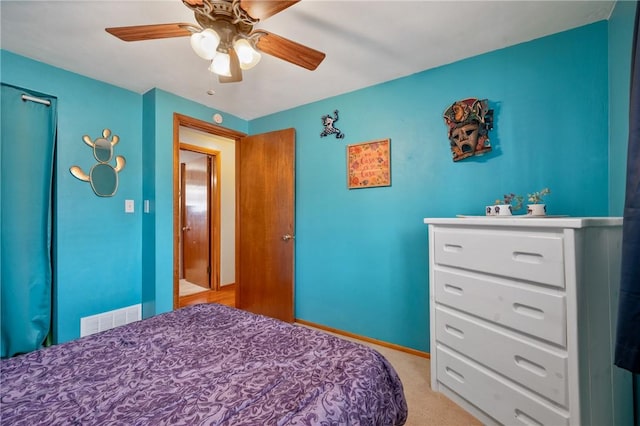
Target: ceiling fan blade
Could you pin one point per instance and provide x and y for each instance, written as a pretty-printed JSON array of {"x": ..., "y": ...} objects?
[
  {"x": 234, "y": 66},
  {"x": 150, "y": 32},
  {"x": 288, "y": 50},
  {"x": 262, "y": 9}
]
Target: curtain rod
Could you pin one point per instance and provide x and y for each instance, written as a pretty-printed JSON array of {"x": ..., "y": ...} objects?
[{"x": 38, "y": 100}]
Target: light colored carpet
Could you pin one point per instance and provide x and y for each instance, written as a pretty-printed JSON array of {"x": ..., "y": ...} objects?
[
  {"x": 187, "y": 288},
  {"x": 425, "y": 406}
]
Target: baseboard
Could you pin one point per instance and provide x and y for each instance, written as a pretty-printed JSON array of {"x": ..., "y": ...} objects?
[{"x": 366, "y": 339}]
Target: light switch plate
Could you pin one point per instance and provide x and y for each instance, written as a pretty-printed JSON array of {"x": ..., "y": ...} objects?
[{"x": 128, "y": 206}]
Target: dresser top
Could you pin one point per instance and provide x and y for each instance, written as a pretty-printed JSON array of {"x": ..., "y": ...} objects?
[{"x": 526, "y": 221}]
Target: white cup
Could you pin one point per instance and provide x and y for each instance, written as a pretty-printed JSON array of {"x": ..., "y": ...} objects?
[
  {"x": 536, "y": 210},
  {"x": 498, "y": 210}
]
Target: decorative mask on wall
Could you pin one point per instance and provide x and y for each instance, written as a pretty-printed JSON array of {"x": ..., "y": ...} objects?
[
  {"x": 469, "y": 122},
  {"x": 329, "y": 129},
  {"x": 103, "y": 177}
]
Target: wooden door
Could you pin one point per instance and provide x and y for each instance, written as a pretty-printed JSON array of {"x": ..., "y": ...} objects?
[
  {"x": 195, "y": 229},
  {"x": 265, "y": 202}
]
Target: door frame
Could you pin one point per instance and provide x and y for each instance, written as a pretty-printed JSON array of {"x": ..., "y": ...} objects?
[{"x": 180, "y": 120}]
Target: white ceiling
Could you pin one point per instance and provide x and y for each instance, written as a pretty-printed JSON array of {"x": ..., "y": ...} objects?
[{"x": 366, "y": 42}]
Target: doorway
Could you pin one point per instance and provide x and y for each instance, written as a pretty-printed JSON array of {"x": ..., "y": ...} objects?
[
  {"x": 264, "y": 217},
  {"x": 203, "y": 146},
  {"x": 199, "y": 220}
]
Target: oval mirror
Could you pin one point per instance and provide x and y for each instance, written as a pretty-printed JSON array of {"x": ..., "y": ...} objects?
[
  {"x": 102, "y": 150},
  {"x": 104, "y": 180}
]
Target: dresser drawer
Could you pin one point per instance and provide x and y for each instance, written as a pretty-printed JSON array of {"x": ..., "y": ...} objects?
[
  {"x": 535, "y": 256},
  {"x": 505, "y": 402},
  {"x": 537, "y": 313},
  {"x": 540, "y": 370}
]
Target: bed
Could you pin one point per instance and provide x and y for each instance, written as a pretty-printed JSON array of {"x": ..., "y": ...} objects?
[{"x": 205, "y": 364}]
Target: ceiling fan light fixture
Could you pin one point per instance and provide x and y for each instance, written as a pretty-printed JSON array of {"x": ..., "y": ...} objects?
[
  {"x": 205, "y": 43},
  {"x": 247, "y": 55},
  {"x": 226, "y": 38},
  {"x": 221, "y": 64}
]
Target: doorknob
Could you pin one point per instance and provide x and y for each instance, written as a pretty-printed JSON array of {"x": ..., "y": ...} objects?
[
  {"x": 186, "y": 228},
  {"x": 287, "y": 237}
]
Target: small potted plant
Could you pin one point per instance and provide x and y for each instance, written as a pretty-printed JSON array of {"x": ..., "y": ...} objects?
[
  {"x": 537, "y": 207},
  {"x": 509, "y": 203}
]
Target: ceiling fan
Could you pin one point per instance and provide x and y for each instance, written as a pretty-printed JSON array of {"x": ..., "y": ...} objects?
[{"x": 226, "y": 37}]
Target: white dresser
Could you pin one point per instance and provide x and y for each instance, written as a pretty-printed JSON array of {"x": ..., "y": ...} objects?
[{"x": 523, "y": 315}]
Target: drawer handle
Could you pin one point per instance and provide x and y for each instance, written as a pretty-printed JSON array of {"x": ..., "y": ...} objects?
[
  {"x": 454, "y": 331},
  {"x": 454, "y": 248},
  {"x": 534, "y": 258},
  {"x": 531, "y": 366},
  {"x": 453, "y": 289},
  {"x": 528, "y": 311},
  {"x": 457, "y": 376},
  {"x": 526, "y": 420}
]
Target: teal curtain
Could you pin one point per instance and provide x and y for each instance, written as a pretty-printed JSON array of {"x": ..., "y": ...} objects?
[{"x": 27, "y": 146}]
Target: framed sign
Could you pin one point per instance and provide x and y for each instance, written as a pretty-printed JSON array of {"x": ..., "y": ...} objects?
[{"x": 369, "y": 164}]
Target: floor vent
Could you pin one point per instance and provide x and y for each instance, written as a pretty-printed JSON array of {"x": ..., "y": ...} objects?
[{"x": 106, "y": 320}]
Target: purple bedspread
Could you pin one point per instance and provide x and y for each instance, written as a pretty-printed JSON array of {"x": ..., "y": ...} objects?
[{"x": 202, "y": 365}]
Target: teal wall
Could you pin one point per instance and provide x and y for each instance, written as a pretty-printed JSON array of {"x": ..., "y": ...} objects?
[
  {"x": 361, "y": 255},
  {"x": 148, "y": 193}
]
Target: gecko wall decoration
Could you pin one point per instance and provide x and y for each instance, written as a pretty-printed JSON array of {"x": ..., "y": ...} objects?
[{"x": 329, "y": 129}]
